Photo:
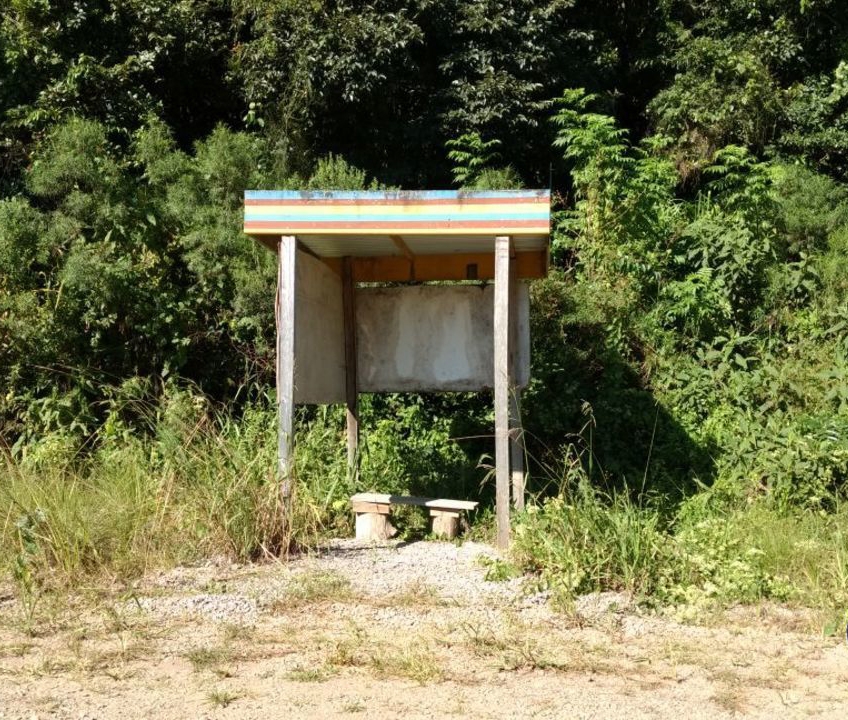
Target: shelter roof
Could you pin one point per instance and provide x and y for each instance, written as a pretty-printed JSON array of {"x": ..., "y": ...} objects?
[{"x": 393, "y": 234}]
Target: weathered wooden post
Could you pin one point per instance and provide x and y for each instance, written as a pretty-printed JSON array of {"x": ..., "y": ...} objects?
[
  {"x": 516, "y": 438},
  {"x": 502, "y": 327},
  {"x": 351, "y": 389},
  {"x": 285, "y": 316}
]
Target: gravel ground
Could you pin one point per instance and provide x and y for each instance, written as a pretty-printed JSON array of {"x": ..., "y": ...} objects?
[
  {"x": 455, "y": 573},
  {"x": 402, "y": 630}
]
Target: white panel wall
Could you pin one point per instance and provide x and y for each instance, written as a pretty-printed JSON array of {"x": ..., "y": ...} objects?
[
  {"x": 409, "y": 338},
  {"x": 433, "y": 337},
  {"x": 319, "y": 366}
]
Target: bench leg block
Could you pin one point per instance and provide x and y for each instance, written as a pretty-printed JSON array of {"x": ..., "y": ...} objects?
[
  {"x": 445, "y": 526},
  {"x": 374, "y": 526}
]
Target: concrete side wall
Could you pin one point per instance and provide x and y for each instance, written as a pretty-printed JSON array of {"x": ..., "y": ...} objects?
[
  {"x": 433, "y": 337},
  {"x": 319, "y": 365}
]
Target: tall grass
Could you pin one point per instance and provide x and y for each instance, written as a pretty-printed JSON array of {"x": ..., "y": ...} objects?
[
  {"x": 200, "y": 484},
  {"x": 583, "y": 540}
]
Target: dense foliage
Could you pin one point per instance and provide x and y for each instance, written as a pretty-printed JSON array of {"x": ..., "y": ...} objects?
[{"x": 693, "y": 333}]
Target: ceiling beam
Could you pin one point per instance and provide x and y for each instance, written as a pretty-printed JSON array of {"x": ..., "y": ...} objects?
[{"x": 448, "y": 266}]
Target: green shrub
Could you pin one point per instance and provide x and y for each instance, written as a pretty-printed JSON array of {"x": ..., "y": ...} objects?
[
  {"x": 710, "y": 554},
  {"x": 581, "y": 541}
]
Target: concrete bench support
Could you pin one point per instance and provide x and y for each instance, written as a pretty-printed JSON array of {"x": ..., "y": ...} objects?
[
  {"x": 372, "y": 514},
  {"x": 444, "y": 524},
  {"x": 374, "y": 526}
]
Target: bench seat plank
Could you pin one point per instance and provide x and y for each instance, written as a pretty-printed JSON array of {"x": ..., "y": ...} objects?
[
  {"x": 369, "y": 507},
  {"x": 432, "y": 503}
]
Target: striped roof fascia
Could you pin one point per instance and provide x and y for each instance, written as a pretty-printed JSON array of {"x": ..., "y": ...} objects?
[
  {"x": 429, "y": 212},
  {"x": 399, "y": 195}
]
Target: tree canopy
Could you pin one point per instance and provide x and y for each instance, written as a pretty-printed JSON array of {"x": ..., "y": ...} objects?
[{"x": 698, "y": 151}]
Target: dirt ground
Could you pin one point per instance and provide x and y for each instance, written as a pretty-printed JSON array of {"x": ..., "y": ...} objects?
[{"x": 412, "y": 631}]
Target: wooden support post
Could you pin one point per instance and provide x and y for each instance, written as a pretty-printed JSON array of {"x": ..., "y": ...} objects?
[
  {"x": 502, "y": 321},
  {"x": 285, "y": 310},
  {"x": 351, "y": 390},
  {"x": 516, "y": 438},
  {"x": 407, "y": 253}
]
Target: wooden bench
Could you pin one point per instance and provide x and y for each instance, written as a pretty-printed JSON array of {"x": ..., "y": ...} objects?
[{"x": 372, "y": 514}]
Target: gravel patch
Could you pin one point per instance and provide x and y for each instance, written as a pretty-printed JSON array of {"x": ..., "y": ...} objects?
[
  {"x": 596, "y": 605},
  {"x": 454, "y": 572},
  {"x": 228, "y": 608},
  {"x": 449, "y": 574}
]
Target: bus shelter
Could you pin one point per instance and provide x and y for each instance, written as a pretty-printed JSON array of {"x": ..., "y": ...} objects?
[{"x": 373, "y": 296}]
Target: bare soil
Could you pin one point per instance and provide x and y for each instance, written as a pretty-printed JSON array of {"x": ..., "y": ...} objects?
[{"x": 412, "y": 631}]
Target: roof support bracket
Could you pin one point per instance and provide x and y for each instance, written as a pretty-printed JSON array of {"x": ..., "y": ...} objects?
[{"x": 406, "y": 252}]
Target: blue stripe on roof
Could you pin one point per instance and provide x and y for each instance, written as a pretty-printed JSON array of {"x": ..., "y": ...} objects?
[
  {"x": 365, "y": 218},
  {"x": 408, "y": 195}
]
